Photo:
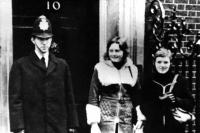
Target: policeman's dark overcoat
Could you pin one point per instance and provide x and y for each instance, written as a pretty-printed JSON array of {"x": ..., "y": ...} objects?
[{"x": 41, "y": 100}]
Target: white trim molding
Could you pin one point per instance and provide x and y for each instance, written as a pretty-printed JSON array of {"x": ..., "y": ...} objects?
[
  {"x": 103, "y": 27},
  {"x": 124, "y": 18},
  {"x": 6, "y": 59}
]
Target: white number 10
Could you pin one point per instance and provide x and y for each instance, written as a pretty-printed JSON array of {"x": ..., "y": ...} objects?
[{"x": 55, "y": 5}]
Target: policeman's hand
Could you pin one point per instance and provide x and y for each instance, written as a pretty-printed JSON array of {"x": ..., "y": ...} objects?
[
  {"x": 22, "y": 131},
  {"x": 95, "y": 128},
  {"x": 72, "y": 130}
]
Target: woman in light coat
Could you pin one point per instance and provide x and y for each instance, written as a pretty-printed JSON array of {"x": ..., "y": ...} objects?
[{"x": 114, "y": 96}]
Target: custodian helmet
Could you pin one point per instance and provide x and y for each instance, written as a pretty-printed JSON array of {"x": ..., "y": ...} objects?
[{"x": 42, "y": 27}]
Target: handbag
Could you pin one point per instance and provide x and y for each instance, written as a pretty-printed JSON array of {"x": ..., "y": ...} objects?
[
  {"x": 178, "y": 113},
  {"x": 182, "y": 115}
]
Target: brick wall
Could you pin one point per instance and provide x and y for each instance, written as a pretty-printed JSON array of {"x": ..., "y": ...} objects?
[{"x": 189, "y": 9}]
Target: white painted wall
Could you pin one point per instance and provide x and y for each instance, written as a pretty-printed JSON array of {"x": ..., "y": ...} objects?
[
  {"x": 128, "y": 17},
  {"x": 6, "y": 56}
]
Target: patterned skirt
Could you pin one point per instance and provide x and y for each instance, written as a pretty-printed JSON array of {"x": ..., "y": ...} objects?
[{"x": 116, "y": 116}]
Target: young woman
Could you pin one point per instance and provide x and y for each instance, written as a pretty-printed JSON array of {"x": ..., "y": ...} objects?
[
  {"x": 114, "y": 92},
  {"x": 160, "y": 101}
]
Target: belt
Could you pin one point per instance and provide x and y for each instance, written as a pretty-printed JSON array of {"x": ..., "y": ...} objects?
[{"x": 120, "y": 100}]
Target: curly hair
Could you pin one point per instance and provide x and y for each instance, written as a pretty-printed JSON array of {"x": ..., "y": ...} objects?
[
  {"x": 163, "y": 52},
  {"x": 122, "y": 45}
]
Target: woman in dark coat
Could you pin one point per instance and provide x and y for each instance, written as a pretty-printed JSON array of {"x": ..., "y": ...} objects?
[
  {"x": 41, "y": 97},
  {"x": 114, "y": 96},
  {"x": 159, "y": 101}
]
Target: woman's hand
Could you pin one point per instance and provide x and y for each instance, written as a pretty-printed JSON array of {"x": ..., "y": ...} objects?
[
  {"x": 140, "y": 115},
  {"x": 95, "y": 128},
  {"x": 138, "y": 125},
  {"x": 170, "y": 96}
]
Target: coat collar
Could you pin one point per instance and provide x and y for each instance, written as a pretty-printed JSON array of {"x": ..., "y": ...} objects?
[
  {"x": 128, "y": 63},
  {"x": 52, "y": 62}
]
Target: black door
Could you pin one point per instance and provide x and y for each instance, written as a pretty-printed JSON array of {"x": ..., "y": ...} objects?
[{"x": 76, "y": 28}]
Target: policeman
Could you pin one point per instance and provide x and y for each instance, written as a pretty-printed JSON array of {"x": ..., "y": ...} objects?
[{"x": 41, "y": 98}]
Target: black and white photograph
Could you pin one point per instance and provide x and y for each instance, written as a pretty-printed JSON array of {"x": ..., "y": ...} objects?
[{"x": 99, "y": 66}]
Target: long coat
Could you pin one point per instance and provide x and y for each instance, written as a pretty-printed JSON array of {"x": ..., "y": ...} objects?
[
  {"x": 158, "y": 112},
  {"x": 41, "y": 99},
  {"x": 108, "y": 82}
]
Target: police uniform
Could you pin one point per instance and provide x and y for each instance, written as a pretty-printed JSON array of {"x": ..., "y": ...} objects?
[{"x": 41, "y": 97}]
